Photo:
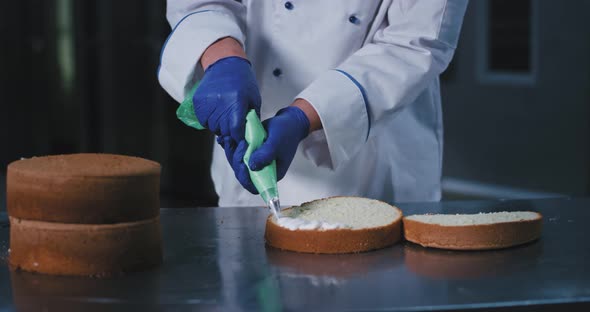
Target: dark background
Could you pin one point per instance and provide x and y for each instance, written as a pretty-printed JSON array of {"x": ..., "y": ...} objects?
[{"x": 80, "y": 76}]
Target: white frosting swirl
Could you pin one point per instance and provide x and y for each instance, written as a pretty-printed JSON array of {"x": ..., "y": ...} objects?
[{"x": 301, "y": 224}]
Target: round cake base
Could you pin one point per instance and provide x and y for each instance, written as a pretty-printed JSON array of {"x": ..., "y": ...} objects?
[
  {"x": 84, "y": 249},
  {"x": 335, "y": 241},
  {"x": 473, "y": 237}
]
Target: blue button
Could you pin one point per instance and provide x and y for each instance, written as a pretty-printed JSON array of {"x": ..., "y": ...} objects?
[
  {"x": 277, "y": 72},
  {"x": 288, "y": 5},
  {"x": 353, "y": 19}
]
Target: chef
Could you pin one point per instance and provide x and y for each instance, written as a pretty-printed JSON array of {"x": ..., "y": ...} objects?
[{"x": 348, "y": 91}]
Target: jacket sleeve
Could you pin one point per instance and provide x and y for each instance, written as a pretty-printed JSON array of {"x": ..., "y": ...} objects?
[
  {"x": 196, "y": 24},
  {"x": 414, "y": 44}
]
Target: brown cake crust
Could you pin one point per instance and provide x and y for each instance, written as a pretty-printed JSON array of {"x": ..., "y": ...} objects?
[
  {"x": 83, "y": 188},
  {"x": 333, "y": 241},
  {"x": 473, "y": 237},
  {"x": 87, "y": 250}
]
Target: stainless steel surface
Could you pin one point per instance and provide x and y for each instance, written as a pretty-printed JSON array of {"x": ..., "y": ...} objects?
[{"x": 215, "y": 259}]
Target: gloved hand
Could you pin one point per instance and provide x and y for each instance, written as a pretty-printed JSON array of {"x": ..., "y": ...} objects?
[
  {"x": 284, "y": 132},
  {"x": 226, "y": 93},
  {"x": 235, "y": 156}
]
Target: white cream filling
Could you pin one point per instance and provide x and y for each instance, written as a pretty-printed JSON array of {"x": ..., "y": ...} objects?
[
  {"x": 338, "y": 213},
  {"x": 301, "y": 224}
]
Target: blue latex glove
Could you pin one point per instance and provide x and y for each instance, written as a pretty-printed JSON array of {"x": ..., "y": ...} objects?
[
  {"x": 285, "y": 130},
  {"x": 235, "y": 156},
  {"x": 226, "y": 93}
]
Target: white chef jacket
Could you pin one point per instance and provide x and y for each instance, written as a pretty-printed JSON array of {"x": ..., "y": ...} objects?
[{"x": 369, "y": 68}]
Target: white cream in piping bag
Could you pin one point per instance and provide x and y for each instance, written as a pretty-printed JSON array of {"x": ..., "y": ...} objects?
[{"x": 301, "y": 224}]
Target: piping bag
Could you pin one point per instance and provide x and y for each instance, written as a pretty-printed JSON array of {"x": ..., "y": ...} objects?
[{"x": 265, "y": 180}]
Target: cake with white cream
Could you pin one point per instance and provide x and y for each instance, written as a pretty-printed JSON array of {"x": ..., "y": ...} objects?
[{"x": 335, "y": 225}]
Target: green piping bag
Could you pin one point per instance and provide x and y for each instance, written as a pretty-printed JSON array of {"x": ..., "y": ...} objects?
[{"x": 265, "y": 180}]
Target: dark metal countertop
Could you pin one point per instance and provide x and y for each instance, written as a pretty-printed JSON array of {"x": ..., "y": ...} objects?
[{"x": 215, "y": 259}]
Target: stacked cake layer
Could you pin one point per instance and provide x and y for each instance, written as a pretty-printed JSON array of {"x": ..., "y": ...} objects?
[{"x": 84, "y": 214}]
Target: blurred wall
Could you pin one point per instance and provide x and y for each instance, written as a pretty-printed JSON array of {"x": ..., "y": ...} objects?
[
  {"x": 531, "y": 135},
  {"x": 80, "y": 76}
]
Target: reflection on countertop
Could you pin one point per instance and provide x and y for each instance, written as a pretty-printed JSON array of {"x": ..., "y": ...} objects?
[
  {"x": 216, "y": 260},
  {"x": 320, "y": 269},
  {"x": 457, "y": 265}
]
